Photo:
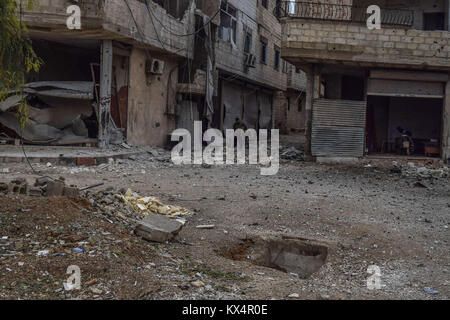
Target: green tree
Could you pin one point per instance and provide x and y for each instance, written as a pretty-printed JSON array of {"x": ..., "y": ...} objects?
[{"x": 17, "y": 57}]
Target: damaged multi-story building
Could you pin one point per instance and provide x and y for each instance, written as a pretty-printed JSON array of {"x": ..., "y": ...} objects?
[
  {"x": 371, "y": 91},
  {"x": 135, "y": 70},
  {"x": 254, "y": 84}
]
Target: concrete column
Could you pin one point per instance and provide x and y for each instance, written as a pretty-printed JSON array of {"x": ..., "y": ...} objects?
[
  {"x": 312, "y": 92},
  {"x": 308, "y": 108},
  {"x": 446, "y": 124},
  {"x": 104, "y": 108}
]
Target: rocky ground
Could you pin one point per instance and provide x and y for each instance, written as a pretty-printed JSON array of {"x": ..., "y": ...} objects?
[{"x": 392, "y": 215}]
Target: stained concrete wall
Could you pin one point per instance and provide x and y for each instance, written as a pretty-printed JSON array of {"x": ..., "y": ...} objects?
[
  {"x": 340, "y": 41},
  {"x": 295, "y": 118},
  {"x": 112, "y": 19},
  {"x": 160, "y": 34},
  {"x": 148, "y": 123}
]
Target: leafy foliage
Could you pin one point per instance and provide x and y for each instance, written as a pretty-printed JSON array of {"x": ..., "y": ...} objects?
[{"x": 17, "y": 57}]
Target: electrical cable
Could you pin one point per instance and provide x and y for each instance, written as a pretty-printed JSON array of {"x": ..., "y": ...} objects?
[
  {"x": 182, "y": 35},
  {"x": 153, "y": 24}
]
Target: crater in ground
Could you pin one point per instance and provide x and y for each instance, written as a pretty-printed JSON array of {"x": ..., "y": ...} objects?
[{"x": 299, "y": 257}]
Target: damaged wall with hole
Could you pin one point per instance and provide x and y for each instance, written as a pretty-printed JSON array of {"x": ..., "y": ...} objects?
[
  {"x": 131, "y": 83},
  {"x": 60, "y": 97}
]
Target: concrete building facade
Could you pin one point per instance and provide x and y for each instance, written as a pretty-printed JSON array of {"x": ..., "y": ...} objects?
[
  {"x": 155, "y": 66},
  {"x": 368, "y": 87}
]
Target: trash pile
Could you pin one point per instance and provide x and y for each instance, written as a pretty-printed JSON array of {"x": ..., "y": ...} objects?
[
  {"x": 292, "y": 153},
  {"x": 148, "y": 205},
  {"x": 128, "y": 207}
]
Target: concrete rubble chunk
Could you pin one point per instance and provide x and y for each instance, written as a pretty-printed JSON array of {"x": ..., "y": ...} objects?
[
  {"x": 4, "y": 188},
  {"x": 35, "y": 192},
  {"x": 41, "y": 181},
  {"x": 55, "y": 188},
  {"x": 72, "y": 192},
  {"x": 158, "y": 228}
]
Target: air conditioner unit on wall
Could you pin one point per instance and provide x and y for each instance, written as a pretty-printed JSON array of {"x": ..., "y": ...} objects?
[
  {"x": 154, "y": 66},
  {"x": 250, "y": 60}
]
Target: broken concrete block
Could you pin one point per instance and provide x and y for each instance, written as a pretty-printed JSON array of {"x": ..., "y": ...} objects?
[
  {"x": 35, "y": 192},
  {"x": 86, "y": 161},
  {"x": 41, "y": 181},
  {"x": 4, "y": 188},
  {"x": 23, "y": 189},
  {"x": 71, "y": 192},
  {"x": 55, "y": 188},
  {"x": 18, "y": 181},
  {"x": 158, "y": 228}
]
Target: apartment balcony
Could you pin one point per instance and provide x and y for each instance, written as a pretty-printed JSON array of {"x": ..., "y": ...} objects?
[
  {"x": 296, "y": 79},
  {"x": 127, "y": 21},
  {"x": 338, "y": 34}
]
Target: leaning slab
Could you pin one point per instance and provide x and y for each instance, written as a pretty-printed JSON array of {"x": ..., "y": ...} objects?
[{"x": 158, "y": 228}]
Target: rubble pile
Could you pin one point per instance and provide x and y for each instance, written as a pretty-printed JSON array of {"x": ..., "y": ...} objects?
[
  {"x": 43, "y": 186},
  {"x": 292, "y": 153},
  {"x": 108, "y": 204},
  {"x": 412, "y": 170},
  {"x": 155, "y": 221}
]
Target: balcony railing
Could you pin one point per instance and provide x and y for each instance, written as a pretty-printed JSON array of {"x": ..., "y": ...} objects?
[{"x": 349, "y": 13}]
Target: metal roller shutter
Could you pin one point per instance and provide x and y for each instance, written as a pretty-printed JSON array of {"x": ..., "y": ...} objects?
[{"x": 338, "y": 128}]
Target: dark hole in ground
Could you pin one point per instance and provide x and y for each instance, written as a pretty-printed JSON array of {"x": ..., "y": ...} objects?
[{"x": 290, "y": 256}]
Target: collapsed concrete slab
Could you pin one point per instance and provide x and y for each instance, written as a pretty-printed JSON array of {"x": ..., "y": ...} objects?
[{"x": 158, "y": 228}]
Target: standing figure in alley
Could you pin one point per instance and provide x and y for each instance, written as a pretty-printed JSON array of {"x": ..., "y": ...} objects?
[{"x": 238, "y": 124}]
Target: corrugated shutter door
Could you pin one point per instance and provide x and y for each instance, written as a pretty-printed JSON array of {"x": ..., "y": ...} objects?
[{"x": 338, "y": 128}]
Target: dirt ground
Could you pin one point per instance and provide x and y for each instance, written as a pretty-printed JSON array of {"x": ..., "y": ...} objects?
[{"x": 363, "y": 215}]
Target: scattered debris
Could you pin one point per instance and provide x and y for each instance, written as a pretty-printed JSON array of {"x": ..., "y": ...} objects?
[
  {"x": 198, "y": 284},
  {"x": 420, "y": 184},
  {"x": 158, "y": 228},
  {"x": 149, "y": 205},
  {"x": 43, "y": 253},
  {"x": 206, "y": 226},
  {"x": 292, "y": 153},
  {"x": 430, "y": 291},
  {"x": 78, "y": 250}
]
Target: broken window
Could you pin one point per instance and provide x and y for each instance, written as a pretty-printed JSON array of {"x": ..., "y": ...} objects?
[
  {"x": 175, "y": 8},
  {"x": 264, "y": 3},
  {"x": 228, "y": 22},
  {"x": 277, "y": 58},
  {"x": 263, "y": 50},
  {"x": 247, "y": 41}
]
